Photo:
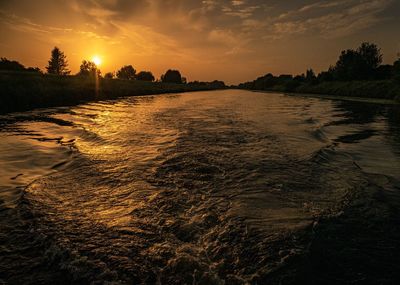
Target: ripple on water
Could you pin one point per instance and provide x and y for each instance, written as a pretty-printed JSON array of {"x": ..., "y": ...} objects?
[{"x": 205, "y": 188}]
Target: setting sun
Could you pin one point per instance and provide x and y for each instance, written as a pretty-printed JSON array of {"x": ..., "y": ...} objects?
[{"x": 97, "y": 60}]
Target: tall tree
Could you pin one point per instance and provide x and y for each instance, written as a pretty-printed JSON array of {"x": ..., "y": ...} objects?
[
  {"x": 371, "y": 55},
  {"x": 350, "y": 66},
  {"x": 58, "y": 63},
  {"x": 89, "y": 68},
  {"x": 358, "y": 64},
  {"x": 126, "y": 72},
  {"x": 310, "y": 75}
]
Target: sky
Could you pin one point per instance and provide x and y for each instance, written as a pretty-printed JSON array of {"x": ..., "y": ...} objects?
[{"x": 230, "y": 40}]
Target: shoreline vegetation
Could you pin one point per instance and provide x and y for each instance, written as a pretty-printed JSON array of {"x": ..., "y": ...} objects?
[
  {"x": 357, "y": 74},
  {"x": 359, "y": 91},
  {"x": 24, "y": 89}
]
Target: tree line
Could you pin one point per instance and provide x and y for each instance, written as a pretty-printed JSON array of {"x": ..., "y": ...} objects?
[
  {"x": 361, "y": 64},
  {"x": 58, "y": 66}
]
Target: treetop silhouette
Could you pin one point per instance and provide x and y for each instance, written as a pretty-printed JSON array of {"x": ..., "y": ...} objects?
[
  {"x": 58, "y": 64},
  {"x": 172, "y": 76},
  {"x": 89, "y": 68},
  {"x": 145, "y": 76},
  {"x": 126, "y": 72}
]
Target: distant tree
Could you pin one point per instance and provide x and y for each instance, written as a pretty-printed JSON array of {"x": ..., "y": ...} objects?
[
  {"x": 384, "y": 72},
  {"x": 145, "y": 76},
  {"x": 172, "y": 76},
  {"x": 285, "y": 77},
  {"x": 109, "y": 75},
  {"x": 325, "y": 76},
  {"x": 396, "y": 70},
  {"x": 34, "y": 69},
  {"x": 350, "y": 66},
  {"x": 89, "y": 68},
  {"x": 364, "y": 63},
  {"x": 358, "y": 64},
  {"x": 300, "y": 78},
  {"x": 58, "y": 64},
  {"x": 310, "y": 76},
  {"x": 217, "y": 84},
  {"x": 11, "y": 65},
  {"x": 371, "y": 55},
  {"x": 126, "y": 72}
]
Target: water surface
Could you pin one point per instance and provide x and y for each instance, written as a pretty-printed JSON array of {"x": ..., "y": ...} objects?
[{"x": 221, "y": 187}]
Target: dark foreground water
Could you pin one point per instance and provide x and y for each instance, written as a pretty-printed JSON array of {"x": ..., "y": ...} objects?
[{"x": 223, "y": 187}]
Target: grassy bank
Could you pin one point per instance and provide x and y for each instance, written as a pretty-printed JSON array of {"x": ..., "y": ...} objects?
[
  {"x": 383, "y": 89},
  {"x": 21, "y": 91}
]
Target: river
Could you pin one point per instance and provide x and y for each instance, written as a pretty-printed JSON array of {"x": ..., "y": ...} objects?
[{"x": 216, "y": 187}]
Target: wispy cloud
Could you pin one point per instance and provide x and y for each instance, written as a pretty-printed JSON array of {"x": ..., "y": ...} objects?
[
  {"x": 348, "y": 17},
  {"x": 202, "y": 31}
]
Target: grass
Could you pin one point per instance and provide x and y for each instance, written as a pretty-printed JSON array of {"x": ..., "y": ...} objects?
[
  {"x": 21, "y": 91},
  {"x": 379, "y": 90},
  {"x": 384, "y": 89}
]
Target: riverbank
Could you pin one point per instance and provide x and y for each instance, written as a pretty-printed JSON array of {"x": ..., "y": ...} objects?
[
  {"x": 383, "y": 89},
  {"x": 22, "y": 91},
  {"x": 386, "y": 91},
  {"x": 337, "y": 97},
  {"x": 348, "y": 98}
]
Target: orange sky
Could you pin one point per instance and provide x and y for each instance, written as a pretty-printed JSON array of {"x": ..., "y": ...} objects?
[{"x": 234, "y": 41}]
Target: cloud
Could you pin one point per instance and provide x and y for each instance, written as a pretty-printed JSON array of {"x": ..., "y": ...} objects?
[
  {"x": 331, "y": 19},
  {"x": 237, "y": 2},
  {"x": 27, "y": 26},
  {"x": 193, "y": 31}
]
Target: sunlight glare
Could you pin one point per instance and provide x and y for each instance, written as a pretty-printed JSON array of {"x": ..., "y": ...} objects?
[{"x": 97, "y": 60}]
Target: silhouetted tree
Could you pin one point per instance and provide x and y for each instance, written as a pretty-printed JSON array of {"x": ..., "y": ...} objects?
[
  {"x": 384, "y": 72},
  {"x": 109, "y": 75},
  {"x": 371, "y": 55},
  {"x": 126, "y": 72},
  {"x": 58, "y": 64},
  {"x": 358, "y": 64},
  {"x": 89, "y": 68},
  {"x": 145, "y": 76},
  {"x": 11, "y": 65},
  {"x": 326, "y": 75},
  {"x": 349, "y": 66},
  {"x": 300, "y": 78},
  {"x": 172, "y": 76},
  {"x": 34, "y": 69},
  {"x": 396, "y": 70},
  {"x": 217, "y": 84},
  {"x": 285, "y": 77},
  {"x": 310, "y": 76},
  {"x": 364, "y": 63}
]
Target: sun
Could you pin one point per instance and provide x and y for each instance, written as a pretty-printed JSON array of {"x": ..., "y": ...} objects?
[{"x": 96, "y": 59}]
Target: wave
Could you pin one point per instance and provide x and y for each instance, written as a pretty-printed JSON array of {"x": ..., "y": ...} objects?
[{"x": 161, "y": 192}]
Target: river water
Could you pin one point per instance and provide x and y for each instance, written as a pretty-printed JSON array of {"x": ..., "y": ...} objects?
[{"x": 220, "y": 187}]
